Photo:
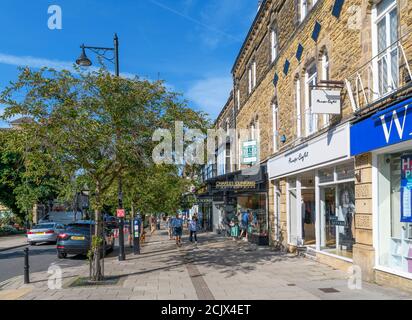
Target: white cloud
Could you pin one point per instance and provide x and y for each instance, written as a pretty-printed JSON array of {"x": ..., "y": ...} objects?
[
  {"x": 210, "y": 94},
  {"x": 33, "y": 62}
]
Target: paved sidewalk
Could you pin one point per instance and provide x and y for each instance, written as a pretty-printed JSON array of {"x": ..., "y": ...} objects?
[
  {"x": 11, "y": 242},
  {"x": 217, "y": 269}
]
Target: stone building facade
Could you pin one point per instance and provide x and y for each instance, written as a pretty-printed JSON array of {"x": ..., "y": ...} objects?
[{"x": 321, "y": 195}]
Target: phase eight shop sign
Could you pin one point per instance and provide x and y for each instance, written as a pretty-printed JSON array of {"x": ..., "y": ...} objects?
[{"x": 329, "y": 147}]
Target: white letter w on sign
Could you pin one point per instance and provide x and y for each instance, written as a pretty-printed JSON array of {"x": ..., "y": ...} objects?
[{"x": 395, "y": 119}]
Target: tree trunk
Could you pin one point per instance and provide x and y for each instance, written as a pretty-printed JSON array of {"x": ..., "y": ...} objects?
[{"x": 97, "y": 274}]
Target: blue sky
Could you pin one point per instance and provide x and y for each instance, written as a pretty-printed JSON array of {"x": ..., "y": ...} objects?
[{"x": 192, "y": 44}]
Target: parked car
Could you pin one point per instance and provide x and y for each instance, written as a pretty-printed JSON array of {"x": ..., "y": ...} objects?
[
  {"x": 111, "y": 222},
  {"x": 63, "y": 217},
  {"x": 44, "y": 232},
  {"x": 76, "y": 239}
]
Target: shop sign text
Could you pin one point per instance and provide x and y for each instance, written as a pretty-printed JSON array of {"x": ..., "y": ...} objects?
[
  {"x": 406, "y": 188},
  {"x": 236, "y": 185},
  {"x": 301, "y": 157},
  {"x": 388, "y": 127},
  {"x": 326, "y": 101}
]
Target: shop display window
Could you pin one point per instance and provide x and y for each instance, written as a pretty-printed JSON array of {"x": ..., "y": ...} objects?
[
  {"x": 338, "y": 223},
  {"x": 256, "y": 206},
  {"x": 326, "y": 175},
  {"x": 394, "y": 206},
  {"x": 345, "y": 171},
  {"x": 337, "y": 195}
]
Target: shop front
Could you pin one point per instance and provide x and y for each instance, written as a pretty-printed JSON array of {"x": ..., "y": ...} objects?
[
  {"x": 319, "y": 195},
  {"x": 204, "y": 201},
  {"x": 242, "y": 192},
  {"x": 390, "y": 188},
  {"x": 204, "y": 214}
]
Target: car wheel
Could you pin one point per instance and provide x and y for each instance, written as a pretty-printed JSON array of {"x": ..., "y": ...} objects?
[
  {"x": 61, "y": 255},
  {"x": 110, "y": 249}
]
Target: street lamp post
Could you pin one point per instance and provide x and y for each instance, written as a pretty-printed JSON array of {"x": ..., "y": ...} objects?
[{"x": 84, "y": 61}]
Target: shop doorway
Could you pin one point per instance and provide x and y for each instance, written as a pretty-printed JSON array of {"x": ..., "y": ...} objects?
[
  {"x": 328, "y": 198},
  {"x": 293, "y": 236},
  {"x": 308, "y": 217},
  {"x": 308, "y": 212},
  {"x": 302, "y": 210},
  {"x": 337, "y": 225}
]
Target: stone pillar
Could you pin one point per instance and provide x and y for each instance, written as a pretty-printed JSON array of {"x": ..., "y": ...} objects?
[
  {"x": 283, "y": 214},
  {"x": 271, "y": 213},
  {"x": 363, "y": 250}
]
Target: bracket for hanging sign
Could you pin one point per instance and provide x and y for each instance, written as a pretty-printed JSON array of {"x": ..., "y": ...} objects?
[{"x": 328, "y": 84}]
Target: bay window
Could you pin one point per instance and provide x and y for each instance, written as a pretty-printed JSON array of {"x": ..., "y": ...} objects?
[
  {"x": 385, "y": 35},
  {"x": 311, "y": 119}
]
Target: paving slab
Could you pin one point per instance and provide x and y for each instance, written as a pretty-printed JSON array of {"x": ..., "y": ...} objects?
[{"x": 218, "y": 269}]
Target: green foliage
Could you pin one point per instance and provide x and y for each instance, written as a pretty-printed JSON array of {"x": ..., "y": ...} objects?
[
  {"x": 24, "y": 181},
  {"x": 9, "y": 230},
  {"x": 156, "y": 189},
  {"x": 96, "y": 244},
  {"x": 91, "y": 129}
]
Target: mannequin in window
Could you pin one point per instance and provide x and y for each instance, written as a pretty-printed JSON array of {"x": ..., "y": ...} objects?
[{"x": 348, "y": 211}]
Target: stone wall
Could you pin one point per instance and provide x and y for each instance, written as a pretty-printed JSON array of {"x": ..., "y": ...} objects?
[
  {"x": 340, "y": 38},
  {"x": 347, "y": 41},
  {"x": 363, "y": 251}
]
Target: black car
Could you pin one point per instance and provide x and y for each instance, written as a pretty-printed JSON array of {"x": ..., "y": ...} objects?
[
  {"x": 111, "y": 222},
  {"x": 76, "y": 239}
]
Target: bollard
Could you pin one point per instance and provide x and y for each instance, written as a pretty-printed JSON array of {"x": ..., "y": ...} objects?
[{"x": 26, "y": 266}]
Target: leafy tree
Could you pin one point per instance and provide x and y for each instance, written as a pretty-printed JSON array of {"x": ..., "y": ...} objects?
[
  {"x": 96, "y": 127},
  {"x": 157, "y": 189},
  {"x": 20, "y": 189}
]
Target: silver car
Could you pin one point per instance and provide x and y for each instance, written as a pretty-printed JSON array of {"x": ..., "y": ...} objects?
[{"x": 44, "y": 232}]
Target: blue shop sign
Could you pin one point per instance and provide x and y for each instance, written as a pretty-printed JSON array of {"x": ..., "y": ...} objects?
[{"x": 390, "y": 126}]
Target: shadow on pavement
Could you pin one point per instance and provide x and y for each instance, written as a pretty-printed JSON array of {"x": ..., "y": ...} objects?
[{"x": 230, "y": 257}]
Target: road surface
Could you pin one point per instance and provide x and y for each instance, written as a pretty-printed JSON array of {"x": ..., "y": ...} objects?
[{"x": 41, "y": 257}]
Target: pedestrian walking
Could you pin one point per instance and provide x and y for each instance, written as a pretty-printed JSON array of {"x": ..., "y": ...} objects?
[
  {"x": 170, "y": 228},
  {"x": 234, "y": 229},
  {"x": 244, "y": 225},
  {"x": 158, "y": 223},
  {"x": 193, "y": 229},
  {"x": 152, "y": 224},
  {"x": 178, "y": 229}
]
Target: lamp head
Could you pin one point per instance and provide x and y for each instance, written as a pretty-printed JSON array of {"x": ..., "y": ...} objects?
[{"x": 83, "y": 60}]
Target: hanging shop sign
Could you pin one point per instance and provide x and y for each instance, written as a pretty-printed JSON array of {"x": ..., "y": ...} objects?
[
  {"x": 326, "y": 101},
  {"x": 225, "y": 185},
  {"x": 406, "y": 188},
  {"x": 390, "y": 126},
  {"x": 331, "y": 146},
  {"x": 249, "y": 152}
]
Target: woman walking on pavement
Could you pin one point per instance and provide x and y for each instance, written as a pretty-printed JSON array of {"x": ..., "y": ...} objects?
[
  {"x": 168, "y": 227},
  {"x": 193, "y": 229},
  {"x": 152, "y": 224},
  {"x": 178, "y": 229}
]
